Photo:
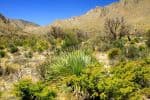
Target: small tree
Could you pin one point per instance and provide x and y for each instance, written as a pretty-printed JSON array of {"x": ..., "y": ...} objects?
[
  {"x": 56, "y": 32},
  {"x": 116, "y": 28}
]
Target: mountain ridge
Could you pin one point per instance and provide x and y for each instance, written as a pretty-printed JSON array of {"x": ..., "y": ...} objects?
[{"x": 136, "y": 12}]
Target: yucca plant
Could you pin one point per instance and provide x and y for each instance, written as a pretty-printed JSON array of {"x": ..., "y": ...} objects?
[
  {"x": 68, "y": 64},
  {"x": 76, "y": 61}
]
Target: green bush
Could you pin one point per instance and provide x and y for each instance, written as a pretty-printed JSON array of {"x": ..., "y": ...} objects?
[
  {"x": 27, "y": 90},
  {"x": 0, "y": 94},
  {"x": 86, "y": 84},
  {"x": 13, "y": 48},
  {"x": 29, "y": 54},
  {"x": 41, "y": 45},
  {"x": 122, "y": 81},
  {"x": 100, "y": 43},
  {"x": 148, "y": 38},
  {"x": 2, "y": 47},
  {"x": 113, "y": 53},
  {"x": 70, "y": 40},
  {"x": 132, "y": 51},
  {"x": 2, "y": 54},
  {"x": 119, "y": 43}
]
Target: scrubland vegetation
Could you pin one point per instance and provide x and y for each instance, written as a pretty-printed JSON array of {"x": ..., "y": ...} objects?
[
  {"x": 97, "y": 56},
  {"x": 71, "y": 70}
]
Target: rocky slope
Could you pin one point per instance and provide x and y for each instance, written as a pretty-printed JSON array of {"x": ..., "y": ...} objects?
[
  {"x": 15, "y": 25},
  {"x": 136, "y": 12}
]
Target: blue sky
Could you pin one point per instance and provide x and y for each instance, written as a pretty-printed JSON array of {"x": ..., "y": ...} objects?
[{"x": 44, "y": 12}]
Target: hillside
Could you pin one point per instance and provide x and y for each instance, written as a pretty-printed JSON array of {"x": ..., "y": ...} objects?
[
  {"x": 136, "y": 12},
  {"x": 8, "y": 25},
  {"x": 80, "y": 58}
]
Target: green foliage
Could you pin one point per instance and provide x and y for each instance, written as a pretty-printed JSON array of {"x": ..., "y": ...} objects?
[
  {"x": 33, "y": 42},
  {"x": 119, "y": 43},
  {"x": 114, "y": 53},
  {"x": 29, "y": 54},
  {"x": 70, "y": 39},
  {"x": 2, "y": 54},
  {"x": 131, "y": 51},
  {"x": 40, "y": 46},
  {"x": 86, "y": 84},
  {"x": 42, "y": 70},
  {"x": 27, "y": 90},
  {"x": 0, "y": 94},
  {"x": 122, "y": 82},
  {"x": 68, "y": 64},
  {"x": 62, "y": 39},
  {"x": 2, "y": 47},
  {"x": 148, "y": 38},
  {"x": 36, "y": 43},
  {"x": 100, "y": 43},
  {"x": 13, "y": 48}
]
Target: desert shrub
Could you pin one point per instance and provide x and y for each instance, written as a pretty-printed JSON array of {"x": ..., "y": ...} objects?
[
  {"x": 86, "y": 84},
  {"x": 131, "y": 51},
  {"x": 13, "y": 48},
  {"x": 42, "y": 69},
  {"x": 70, "y": 40},
  {"x": 41, "y": 45},
  {"x": 140, "y": 94},
  {"x": 2, "y": 54},
  {"x": 27, "y": 90},
  {"x": 19, "y": 40},
  {"x": 114, "y": 53},
  {"x": 30, "y": 41},
  {"x": 36, "y": 43},
  {"x": 0, "y": 94},
  {"x": 62, "y": 39},
  {"x": 122, "y": 81},
  {"x": 143, "y": 51},
  {"x": 1, "y": 70},
  {"x": 136, "y": 40},
  {"x": 11, "y": 68},
  {"x": 2, "y": 47},
  {"x": 100, "y": 43},
  {"x": 104, "y": 46},
  {"x": 28, "y": 54},
  {"x": 119, "y": 43},
  {"x": 148, "y": 38}
]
